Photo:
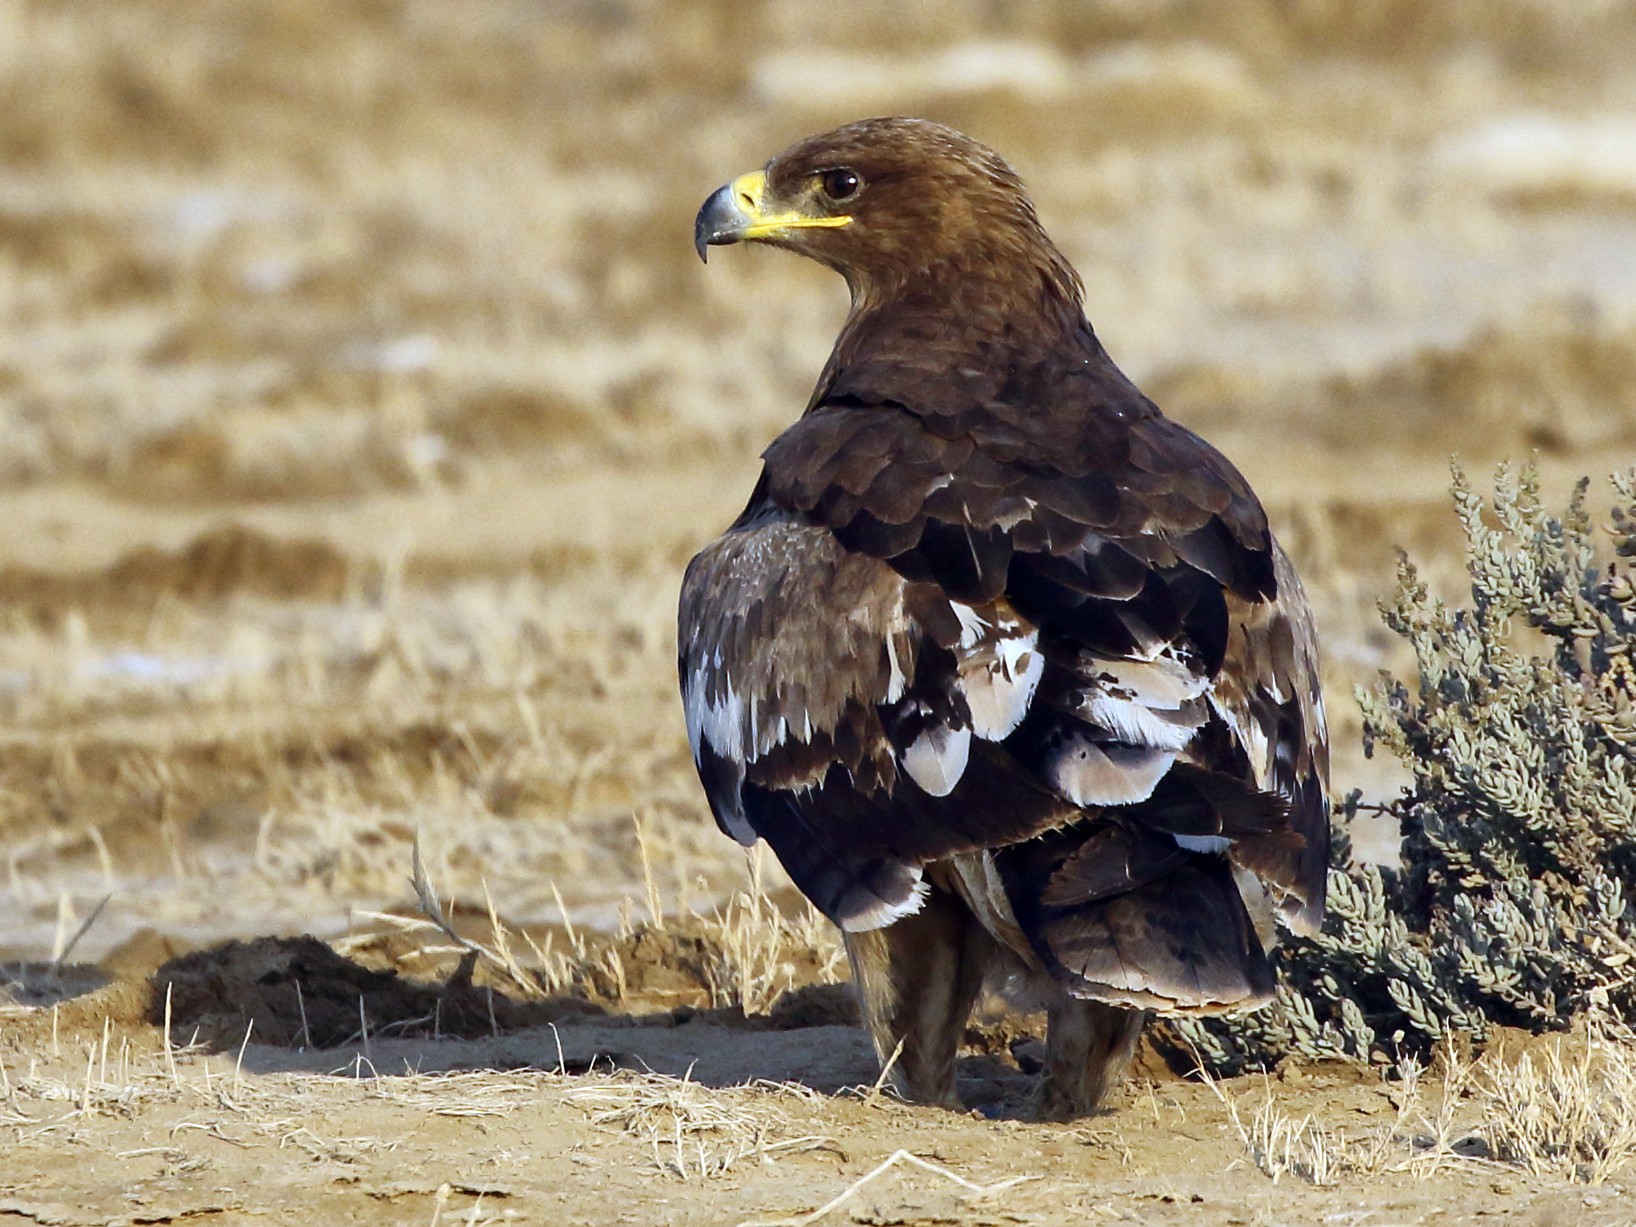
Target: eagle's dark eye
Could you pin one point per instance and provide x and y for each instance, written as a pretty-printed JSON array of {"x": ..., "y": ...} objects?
[{"x": 840, "y": 183}]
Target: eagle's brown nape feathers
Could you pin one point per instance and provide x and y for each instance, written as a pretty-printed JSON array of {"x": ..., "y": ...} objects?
[{"x": 1005, "y": 665}]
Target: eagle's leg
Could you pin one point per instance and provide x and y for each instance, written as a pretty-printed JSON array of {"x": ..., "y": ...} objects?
[
  {"x": 1089, "y": 1046},
  {"x": 916, "y": 982}
]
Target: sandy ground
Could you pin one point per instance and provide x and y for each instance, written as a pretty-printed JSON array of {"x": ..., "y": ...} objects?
[
  {"x": 701, "y": 1116},
  {"x": 361, "y": 399}
]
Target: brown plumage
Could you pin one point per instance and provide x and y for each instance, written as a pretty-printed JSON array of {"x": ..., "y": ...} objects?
[{"x": 1005, "y": 665}]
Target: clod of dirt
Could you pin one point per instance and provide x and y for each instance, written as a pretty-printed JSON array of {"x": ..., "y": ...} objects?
[
  {"x": 815, "y": 1005},
  {"x": 663, "y": 966}
]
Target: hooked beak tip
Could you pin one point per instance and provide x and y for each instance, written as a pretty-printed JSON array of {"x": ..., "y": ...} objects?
[{"x": 720, "y": 221}]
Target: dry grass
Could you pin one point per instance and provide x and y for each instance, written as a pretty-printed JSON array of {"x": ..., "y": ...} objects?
[
  {"x": 743, "y": 955},
  {"x": 759, "y": 952},
  {"x": 1430, "y": 1129},
  {"x": 1562, "y": 1110},
  {"x": 318, "y": 738},
  {"x": 1281, "y": 1144},
  {"x": 1569, "y": 1111},
  {"x": 696, "y": 1132}
]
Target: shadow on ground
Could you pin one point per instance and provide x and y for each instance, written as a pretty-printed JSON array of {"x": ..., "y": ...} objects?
[
  {"x": 43, "y": 985},
  {"x": 308, "y": 1008}
]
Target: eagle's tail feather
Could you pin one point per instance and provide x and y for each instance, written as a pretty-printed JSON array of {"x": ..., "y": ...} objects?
[
  {"x": 1182, "y": 943},
  {"x": 1120, "y": 917}
]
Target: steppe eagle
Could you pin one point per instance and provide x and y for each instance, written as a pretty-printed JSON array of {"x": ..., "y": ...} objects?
[{"x": 1004, "y": 665}]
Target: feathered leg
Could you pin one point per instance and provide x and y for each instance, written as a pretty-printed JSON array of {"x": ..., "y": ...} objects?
[
  {"x": 916, "y": 981},
  {"x": 1089, "y": 1046}
]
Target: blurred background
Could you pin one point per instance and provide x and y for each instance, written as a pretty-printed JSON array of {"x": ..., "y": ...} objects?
[{"x": 361, "y": 397}]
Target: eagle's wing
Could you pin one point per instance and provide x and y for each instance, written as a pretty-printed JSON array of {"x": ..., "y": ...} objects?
[
  {"x": 1268, "y": 694},
  {"x": 828, "y": 715},
  {"x": 921, "y": 640}
]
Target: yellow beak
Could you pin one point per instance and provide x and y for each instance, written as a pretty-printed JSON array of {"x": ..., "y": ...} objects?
[{"x": 737, "y": 212}]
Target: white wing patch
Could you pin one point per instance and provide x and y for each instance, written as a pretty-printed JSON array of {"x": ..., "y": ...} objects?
[
  {"x": 721, "y": 723},
  {"x": 1258, "y": 748},
  {"x": 722, "y": 726},
  {"x": 1132, "y": 720},
  {"x": 1203, "y": 843},
  {"x": 897, "y": 681},
  {"x": 732, "y": 731},
  {"x": 937, "y": 759},
  {"x": 999, "y": 669},
  {"x": 1162, "y": 682},
  {"x": 1089, "y": 773},
  {"x": 883, "y": 914}
]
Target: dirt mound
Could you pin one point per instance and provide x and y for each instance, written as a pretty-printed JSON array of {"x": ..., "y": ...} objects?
[
  {"x": 216, "y": 564},
  {"x": 40, "y": 985},
  {"x": 299, "y": 992},
  {"x": 1560, "y": 379},
  {"x": 499, "y": 419}
]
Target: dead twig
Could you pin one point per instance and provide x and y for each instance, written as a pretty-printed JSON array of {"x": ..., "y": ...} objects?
[{"x": 880, "y": 1169}]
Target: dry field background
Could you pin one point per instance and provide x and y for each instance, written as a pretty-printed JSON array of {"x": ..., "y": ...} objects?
[{"x": 361, "y": 399}]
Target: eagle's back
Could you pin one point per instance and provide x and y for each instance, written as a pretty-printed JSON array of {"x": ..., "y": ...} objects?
[{"x": 1004, "y": 623}]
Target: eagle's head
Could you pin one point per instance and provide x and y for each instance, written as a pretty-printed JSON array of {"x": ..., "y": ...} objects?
[{"x": 894, "y": 206}]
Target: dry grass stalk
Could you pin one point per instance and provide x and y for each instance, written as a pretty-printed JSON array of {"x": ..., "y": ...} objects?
[
  {"x": 878, "y": 1087},
  {"x": 530, "y": 984},
  {"x": 61, "y": 948},
  {"x": 170, "y": 1051},
  {"x": 656, "y": 911},
  {"x": 893, "y": 1160}
]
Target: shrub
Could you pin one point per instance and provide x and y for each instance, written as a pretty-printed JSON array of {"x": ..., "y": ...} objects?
[{"x": 1519, "y": 830}]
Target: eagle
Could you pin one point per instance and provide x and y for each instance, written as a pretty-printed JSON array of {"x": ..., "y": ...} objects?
[{"x": 1005, "y": 666}]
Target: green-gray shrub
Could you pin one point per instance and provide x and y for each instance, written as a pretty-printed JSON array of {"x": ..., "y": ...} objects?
[{"x": 1519, "y": 830}]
